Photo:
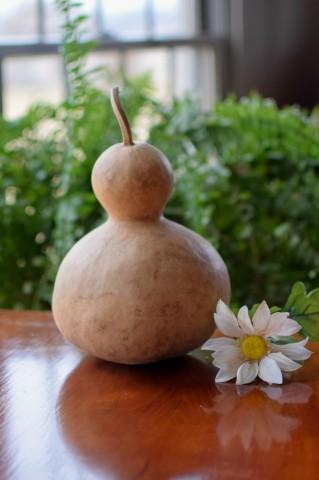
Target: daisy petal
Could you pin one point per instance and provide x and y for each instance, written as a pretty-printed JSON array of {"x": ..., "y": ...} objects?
[
  {"x": 292, "y": 327},
  {"x": 284, "y": 363},
  {"x": 269, "y": 371},
  {"x": 224, "y": 309},
  {"x": 247, "y": 373},
  {"x": 228, "y": 325},
  {"x": 218, "y": 343},
  {"x": 244, "y": 321},
  {"x": 261, "y": 317},
  {"x": 280, "y": 324},
  {"x": 295, "y": 351},
  {"x": 225, "y": 374},
  {"x": 228, "y": 357}
]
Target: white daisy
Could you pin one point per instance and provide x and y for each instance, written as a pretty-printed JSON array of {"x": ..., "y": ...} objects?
[{"x": 250, "y": 352}]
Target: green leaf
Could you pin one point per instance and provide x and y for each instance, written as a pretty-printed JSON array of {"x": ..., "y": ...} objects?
[
  {"x": 279, "y": 340},
  {"x": 304, "y": 308},
  {"x": 275, "y": 309}
]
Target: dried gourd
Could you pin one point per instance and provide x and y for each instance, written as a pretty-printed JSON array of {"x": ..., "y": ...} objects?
[{"x": 138, "y": 288}]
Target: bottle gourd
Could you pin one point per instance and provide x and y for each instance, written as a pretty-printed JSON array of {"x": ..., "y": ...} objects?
[{"x": 138, "y": 288}]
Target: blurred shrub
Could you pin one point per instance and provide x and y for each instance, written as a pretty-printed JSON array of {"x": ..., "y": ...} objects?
[{"x": 247, "y": 178}]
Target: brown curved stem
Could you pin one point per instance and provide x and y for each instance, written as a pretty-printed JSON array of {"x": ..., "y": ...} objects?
[{"x": 121, "y": 117}]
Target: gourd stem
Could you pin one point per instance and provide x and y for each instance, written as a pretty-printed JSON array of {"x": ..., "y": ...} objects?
[{"x": 121, "y": 117}]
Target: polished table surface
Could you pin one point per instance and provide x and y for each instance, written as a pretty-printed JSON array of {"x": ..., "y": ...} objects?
[{"x": 65, "y": 415}]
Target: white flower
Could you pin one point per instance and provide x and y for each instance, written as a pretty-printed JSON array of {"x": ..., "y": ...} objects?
[{"x": 251, "y": 351}]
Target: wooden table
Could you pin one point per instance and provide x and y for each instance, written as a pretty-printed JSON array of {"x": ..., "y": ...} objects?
[{"x": 64, "y": 415}]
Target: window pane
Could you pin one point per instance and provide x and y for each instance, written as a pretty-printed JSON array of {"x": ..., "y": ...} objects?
[
  {"x": 186, "y": 70},
  {"x": 195, "y": 71},
  {"x": 175, "y": 18},
  {"x": 156, "y": 62},
  {"x": 207, "y": 80},
  {"x": 18, "y": 20},
  {"x": 31, "y": 79},
  {"x": 125, "y": 20}
]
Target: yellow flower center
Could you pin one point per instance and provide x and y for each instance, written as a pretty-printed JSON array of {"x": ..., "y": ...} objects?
[{"x": 253, "y": 347}]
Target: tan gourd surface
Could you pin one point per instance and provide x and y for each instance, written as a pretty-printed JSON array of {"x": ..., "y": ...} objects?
[{"x": 139, "y": 288}]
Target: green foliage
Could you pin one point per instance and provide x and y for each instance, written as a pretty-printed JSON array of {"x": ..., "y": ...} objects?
[
  {"x": 304, "y": 308},
  {"x": 26, "y": 213},
  {"x": 248, "y": 180}
]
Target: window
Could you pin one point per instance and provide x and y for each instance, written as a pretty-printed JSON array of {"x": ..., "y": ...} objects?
[{"x": 172, "y": 39}]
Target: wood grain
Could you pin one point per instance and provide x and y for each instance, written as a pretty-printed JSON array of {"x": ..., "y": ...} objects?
[{"x": 64, "y": 415}]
